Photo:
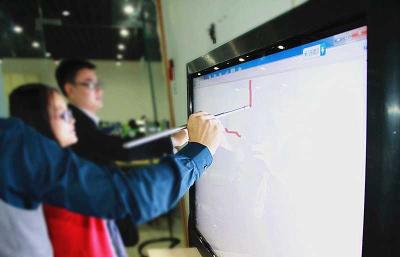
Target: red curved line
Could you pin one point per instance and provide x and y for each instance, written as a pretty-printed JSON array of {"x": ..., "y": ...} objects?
[
  {"x": 233, "y": 132},
  {"x": 250, "y": 105}
]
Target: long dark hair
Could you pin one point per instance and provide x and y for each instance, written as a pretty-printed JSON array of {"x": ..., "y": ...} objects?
[{"x": 30, "y": 102}]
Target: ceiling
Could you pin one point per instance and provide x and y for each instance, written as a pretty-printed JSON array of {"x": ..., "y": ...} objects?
[{"x": 91, "y": 30}]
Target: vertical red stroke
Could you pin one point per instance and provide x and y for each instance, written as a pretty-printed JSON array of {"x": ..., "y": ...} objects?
[
  {"x": 233, "y": 132},
  {"x": 250, "y": 105},
  {"x": 250, "y": 95}
]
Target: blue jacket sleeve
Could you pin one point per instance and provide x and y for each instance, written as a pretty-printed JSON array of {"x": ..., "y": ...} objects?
[{"x": 34, "y": 169}]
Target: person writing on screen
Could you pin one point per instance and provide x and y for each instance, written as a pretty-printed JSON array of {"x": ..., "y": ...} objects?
[
  {"x": 35, "y": 169},
  {"x": 71, "y": 233},
  {"x": 67, "y": 233},
  {"x": 78, "y": 81}
]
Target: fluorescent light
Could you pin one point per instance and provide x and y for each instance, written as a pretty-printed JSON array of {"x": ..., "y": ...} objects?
[
  {"x": 18, "y": 29},
  {"x": 35, "y": 44},
  {"x": 121, "y": 47},
  {"x": 128, "y": 9},
  {"x": 199, "y": 73},
  {"x": 281, "y": 47},
  {"x": 124, "y": 32},
  {"x": 119, "y": 56},
  {"x": 241, "y": 59},
  {"x": 394, "y": 109},
  {"x": 216, "y": 68},
  {"x": 66, "y": 13}
]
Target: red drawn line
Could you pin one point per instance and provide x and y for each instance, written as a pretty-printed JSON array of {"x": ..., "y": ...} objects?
[
  {"x": 233, "y": 132},
  {"x": 250, "y": 105},
  {"x": 250, "y": 95}
]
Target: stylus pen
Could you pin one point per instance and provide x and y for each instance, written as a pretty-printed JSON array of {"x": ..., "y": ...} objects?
[{"x": 172, "y": 131}]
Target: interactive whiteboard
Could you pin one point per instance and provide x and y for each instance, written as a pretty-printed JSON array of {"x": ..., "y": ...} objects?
[{"x": 288, "y": 180}]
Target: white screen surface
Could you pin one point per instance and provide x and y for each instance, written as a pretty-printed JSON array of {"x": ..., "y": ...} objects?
[{"x": 288, "y": 179}]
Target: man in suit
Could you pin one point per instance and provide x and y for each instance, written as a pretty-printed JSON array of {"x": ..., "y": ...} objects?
[{"x": 78, "y": 81}]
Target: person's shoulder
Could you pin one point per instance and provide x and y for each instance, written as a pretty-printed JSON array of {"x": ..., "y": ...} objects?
[
  {"x": 10, "y": 123},
  {"x": 76, "y": 111},
  {"x": 82, "y": 121},
  {"x": 14, "y": 129}
]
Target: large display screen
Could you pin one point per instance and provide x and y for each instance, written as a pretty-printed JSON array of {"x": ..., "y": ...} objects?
[{"x": 289, "y": 177}]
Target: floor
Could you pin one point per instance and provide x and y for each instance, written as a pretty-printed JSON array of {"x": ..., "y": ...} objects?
[{"x": 159, "y": 229}]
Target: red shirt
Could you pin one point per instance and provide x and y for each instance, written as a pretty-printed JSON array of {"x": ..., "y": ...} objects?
[{"x": 73, "y": 234}]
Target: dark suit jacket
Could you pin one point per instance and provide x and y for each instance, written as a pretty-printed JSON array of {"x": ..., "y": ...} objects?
[{"x": 99, "y": 147}]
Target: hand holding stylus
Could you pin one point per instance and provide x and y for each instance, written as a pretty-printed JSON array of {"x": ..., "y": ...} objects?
[
  {"x": 173, "y": 131},
  {"x": 205, "y": 129}
]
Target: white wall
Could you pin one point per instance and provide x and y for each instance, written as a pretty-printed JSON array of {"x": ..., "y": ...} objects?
[
  {"x": 160, "y": 90},
  {"x": 186, "y": 24},
  {"x": 127, "y": 89},
  {"x": 19, "y": 71}
]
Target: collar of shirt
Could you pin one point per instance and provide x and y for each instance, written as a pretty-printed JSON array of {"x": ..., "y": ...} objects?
[{"x": 91, "y": 115}]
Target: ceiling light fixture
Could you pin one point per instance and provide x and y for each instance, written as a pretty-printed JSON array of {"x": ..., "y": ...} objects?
[
  {"x": 124, "y": 32},
  {"x": 241, "y": 59},
  {"x": 35, "y": 44},
  {"x": 66, "y": 13},
  {"x": 121, "y": 47},
  {"x": 216, "y": 68},
  {"x": 199, "y": 73},
  {"x": 18, "y": 29},
  {"x": 281, "y": 47},
  {"x": 128, "y": 9}
]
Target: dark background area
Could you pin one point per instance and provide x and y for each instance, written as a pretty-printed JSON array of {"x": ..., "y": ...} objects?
[{"x": 92, "y": 30}]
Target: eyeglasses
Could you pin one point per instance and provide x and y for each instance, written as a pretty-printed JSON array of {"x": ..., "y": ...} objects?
[
  {"x": 90, "y": 85},
  {"x": 66, "y": 116}
]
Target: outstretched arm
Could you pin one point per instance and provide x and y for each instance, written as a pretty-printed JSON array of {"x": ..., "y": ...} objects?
[{"x": 35, "y": 169}]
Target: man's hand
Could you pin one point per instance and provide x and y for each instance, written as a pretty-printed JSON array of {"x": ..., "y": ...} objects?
[
  {"x": 179, "y": 139},
  {"x": 205, "y": 129}
]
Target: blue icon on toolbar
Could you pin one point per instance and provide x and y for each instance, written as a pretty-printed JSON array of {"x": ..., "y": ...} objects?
[{"x": 322, "y": 49}]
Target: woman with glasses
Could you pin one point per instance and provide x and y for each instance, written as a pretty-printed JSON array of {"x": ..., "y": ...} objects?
[{"x": 24, "y": 232}]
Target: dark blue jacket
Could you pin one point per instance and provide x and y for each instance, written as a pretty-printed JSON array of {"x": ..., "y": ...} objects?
[{"x": 34, "y": 169}]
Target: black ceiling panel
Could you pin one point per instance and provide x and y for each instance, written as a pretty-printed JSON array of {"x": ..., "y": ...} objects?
[{"x": 90, "y": 31}]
